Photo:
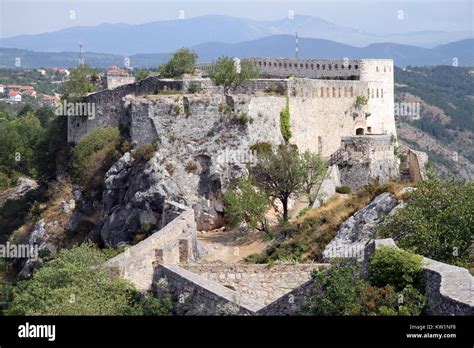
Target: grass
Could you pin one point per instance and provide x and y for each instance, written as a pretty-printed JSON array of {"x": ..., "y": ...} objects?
[{"x": 305, "y": 238}]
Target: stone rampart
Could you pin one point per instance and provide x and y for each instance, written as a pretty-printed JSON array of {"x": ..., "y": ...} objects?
[{"x": 172, "y": 244}]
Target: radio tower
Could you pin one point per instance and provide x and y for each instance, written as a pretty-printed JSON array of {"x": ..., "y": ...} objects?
[
  {"x": 81, "y": 57},
  {"x": 296, "y": 45}
]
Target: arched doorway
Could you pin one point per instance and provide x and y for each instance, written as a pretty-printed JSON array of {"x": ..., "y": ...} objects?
[{"x": 360, "y": 131}]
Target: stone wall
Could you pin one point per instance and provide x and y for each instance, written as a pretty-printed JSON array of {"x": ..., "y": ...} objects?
[
  {"x": 195, "y": 295},
  {"x": 365, "y": 159},
  {"x": 308, "y": 68},
  {"x": 416, "y": 165},
  {"x": 174, "y": 243},
  {"x": 110, "y": 110},
  {"x": 205, "y": 289},
  {"x": 449, "y": 289},
  {"x": 263, "y": 283}
]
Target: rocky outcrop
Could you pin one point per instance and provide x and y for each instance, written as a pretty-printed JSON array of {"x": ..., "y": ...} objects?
[
  {"x": 356, "y": 231},
  {"x": 41, "y": 239}
]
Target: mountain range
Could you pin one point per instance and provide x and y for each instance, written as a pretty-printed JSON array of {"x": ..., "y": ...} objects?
[
  {"x": 167, "y": 36},
  {"x": 460, "y": 52}
]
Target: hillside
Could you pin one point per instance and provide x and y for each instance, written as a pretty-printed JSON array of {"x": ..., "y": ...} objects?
[{"x": 445, "y": 129}]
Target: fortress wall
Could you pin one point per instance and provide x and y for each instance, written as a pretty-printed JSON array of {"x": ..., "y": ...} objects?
[
  {"x": 110, "y": 110},
  {"x": 322, "y": 112},
  {"x": 308, "y": 68},
  {"x": 193, "y": 294},
  {"x": 172, "y": 244},
  {"x": 263, "y": 283},
  {"x": 379, "y": 74}
]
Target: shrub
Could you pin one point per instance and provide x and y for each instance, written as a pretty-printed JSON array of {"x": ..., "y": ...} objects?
[
  {"x": 245, "y": 204},
  {"x": 436, "y": 222},
  {"x": 261, "y": 147},
  {"x": 93, "y": 142},
  {"x": 396, "y": 267},
  {"x": 341, "y": 291},
  {"x": 144, "y": 153},
  {"x": 343, "y": 189},
  {"x": 97, "y": 166},
  {"x": 194, "y": 88},
  {"x": 336, "y": 291},
  {"x": 147, "y": 305},
  {"x": 191, "y": 166},
  {"x": 170, "y": 168},
  {"x": 73, "y": 283},
  {"x": 285, "y": 127},
  {"x": 361, "y": 100},
  {"x": 241, "y": 118}
]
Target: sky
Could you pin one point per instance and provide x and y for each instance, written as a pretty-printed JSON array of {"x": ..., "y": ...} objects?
[{"x": 19, "y": 17}]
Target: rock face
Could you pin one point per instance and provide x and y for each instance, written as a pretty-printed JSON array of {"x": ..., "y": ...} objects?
[
  {"x": 356, "y": 231},
  {"x": 39, "y": 238}
]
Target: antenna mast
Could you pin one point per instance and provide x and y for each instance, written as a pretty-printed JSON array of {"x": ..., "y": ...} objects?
[
  {"x": 296, "y": 45},
  {"x": 81, "y": 56}
]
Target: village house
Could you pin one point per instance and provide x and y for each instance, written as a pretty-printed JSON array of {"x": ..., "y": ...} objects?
[{"x": 14, "y": 96}]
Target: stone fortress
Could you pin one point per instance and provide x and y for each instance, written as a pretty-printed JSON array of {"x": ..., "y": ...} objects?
[{"x": 342, "y": 110}]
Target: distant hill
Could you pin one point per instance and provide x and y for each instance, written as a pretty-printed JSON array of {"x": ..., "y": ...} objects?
[
  {"x": 445, "y": 129},
  {"x": 167, "y": 36},
  {"x": 272, "y": 46}
]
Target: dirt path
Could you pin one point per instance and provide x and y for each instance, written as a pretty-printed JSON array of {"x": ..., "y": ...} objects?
[{"x": 230, "y": 246}]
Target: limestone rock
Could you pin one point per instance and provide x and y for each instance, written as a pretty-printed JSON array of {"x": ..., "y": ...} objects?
[{"x": 356, "y": 231}]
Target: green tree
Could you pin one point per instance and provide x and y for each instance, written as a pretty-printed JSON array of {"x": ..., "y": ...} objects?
[
  {"x": 142, "y": 74},
  {"x": 436, "y": 222},
  {"x": 315, "y": 170},
  {"x": 246, "y": 204},
  {"x": 224, "y": 73},
  {"x": 285, "y": 172},
  {"x": 182, "y": 62},
  {"x": 80, "y": 83},
  {"x": 18, "y": 140}
]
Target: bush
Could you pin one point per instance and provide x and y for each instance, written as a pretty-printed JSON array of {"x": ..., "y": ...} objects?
[
  {"x": 73, "y": 283},
  {"x": 97, "y": 166},
  {"x": 244, "y": 204},
  {"x": 93, "y": 142},
  {"x": 395, "y": 267},
  {"x": 191, "y": 166},
  {"x": 341, "y": 291},
  {"x": 194, "y": 88},
  {"x": 144, "y": 153},
  {"x": 261, "y": 147},
  {"x": 343, "y": 189},
  {"x": 436, "y": 222},
  {"x": 361, "y": 100}
]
